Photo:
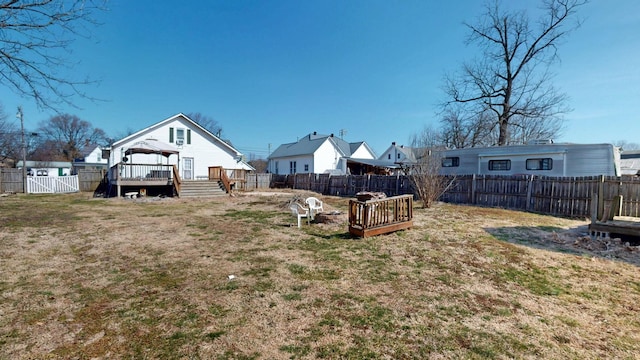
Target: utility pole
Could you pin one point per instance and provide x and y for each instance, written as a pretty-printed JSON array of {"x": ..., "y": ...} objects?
[{"x": 24, "y": 150}]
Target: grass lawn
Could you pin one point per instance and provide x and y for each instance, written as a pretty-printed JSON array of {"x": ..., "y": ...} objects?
[{"x": 230, "y": 278}]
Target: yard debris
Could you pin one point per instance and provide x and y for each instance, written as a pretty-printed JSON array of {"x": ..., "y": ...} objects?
[
  {"x": 579, "y": 240},
  {"x": 368, "y": 195},
  {"x": 231, "y": 277}
]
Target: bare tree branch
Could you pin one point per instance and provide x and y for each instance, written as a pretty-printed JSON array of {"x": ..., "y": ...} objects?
[
  {"x": 35, "y": 47},
  {"x": 512, "y": 79}
]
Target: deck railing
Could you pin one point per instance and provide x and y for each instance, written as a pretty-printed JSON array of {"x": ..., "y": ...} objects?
[
  {"x": 379, "y": 216},
  {"x": 141, "y": 172},
  {"x": 232, "y": 179},
  {"x": 176, "y": 179}
]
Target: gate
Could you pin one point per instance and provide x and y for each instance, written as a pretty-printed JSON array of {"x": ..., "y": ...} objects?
[{"x": 52, "y": 184}]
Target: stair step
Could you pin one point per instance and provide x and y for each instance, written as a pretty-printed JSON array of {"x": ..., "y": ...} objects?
[{"x": 201, "y": 189}]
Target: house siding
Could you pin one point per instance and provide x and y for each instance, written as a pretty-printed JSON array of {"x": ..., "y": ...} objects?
[
  {"x": 362, "y": 153},
  {"x": 202, "y": 148},
  {"x": 327, "y": 158}
]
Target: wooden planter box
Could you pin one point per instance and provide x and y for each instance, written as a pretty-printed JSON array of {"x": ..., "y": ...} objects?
[{"x": 380, "y": 216}]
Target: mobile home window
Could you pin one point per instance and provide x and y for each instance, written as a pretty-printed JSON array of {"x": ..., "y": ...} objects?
[
  {"x": 292, "y": 167},
  {"x": 451, "y": 162},
  {"x": 499, "y": 165},
  {"x": 540, "y": 164},
  {"x": 306, "y": 167}
]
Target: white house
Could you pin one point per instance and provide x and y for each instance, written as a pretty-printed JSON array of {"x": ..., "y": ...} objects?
[
  {"x": 630, "y": 162},
  {"x": 47, "y": 168},
  {"x": 316, "y": 153},
  {"x": 195, "y": 148},
  {"x": 399, "y": 154},
  {"x": 92, "y": 158}
]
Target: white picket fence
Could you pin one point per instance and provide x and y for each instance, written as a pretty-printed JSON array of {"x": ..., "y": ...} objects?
[{"x": 52, "y": 184}]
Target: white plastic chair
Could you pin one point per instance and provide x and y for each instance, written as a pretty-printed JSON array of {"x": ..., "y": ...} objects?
[
  {"x": 300, "y": 212},
  {"x": 315, "y": 205}
]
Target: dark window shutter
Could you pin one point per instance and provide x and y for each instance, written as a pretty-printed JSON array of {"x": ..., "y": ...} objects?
[
  {"x": 188, "y": 136},
  {"x": 170, "y": 135}
]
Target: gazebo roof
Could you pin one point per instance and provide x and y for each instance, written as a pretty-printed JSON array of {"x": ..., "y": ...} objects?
[{"x": 151, "y": 146}]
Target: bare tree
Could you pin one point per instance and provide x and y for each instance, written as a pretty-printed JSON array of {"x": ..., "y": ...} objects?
[
  {"x": 459, "y": 131},
  {"x": 259, "y": 164},
  {"x": 9, "y": 138},
  {"x": 64, "y": 136},
  {"x": 512, "y": 78},
  {"x": 626, "y": 145},
  {"x": 209, "y": 123},
  {"x": 35, "y": 41},
  {"x": 424, "y": 174}
]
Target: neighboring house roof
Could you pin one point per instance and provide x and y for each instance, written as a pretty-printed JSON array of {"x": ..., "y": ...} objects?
[
  {"x": 409, "y": 154},
  {"x": 312, "y": 142},
  {"x": 91, "y": 154},
  {"x": 45, "y": 164},
  {"x": 630, "y": 162},
  {"x": 213, "y": 137},
  {"x": 87, "y": 150}
]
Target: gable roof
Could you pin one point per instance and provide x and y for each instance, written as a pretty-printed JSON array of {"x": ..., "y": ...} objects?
[
  {"x": 356, "y": 145},
  {"x": 192, "y": 124},
  {"x": 312, "y": 142},
  {"x": 88, "y": 149},
  {"x": 410, "y": 154}
]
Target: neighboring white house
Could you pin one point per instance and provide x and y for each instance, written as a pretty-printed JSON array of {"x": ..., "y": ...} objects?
[
  {"x": 198, "y": 148},
  {"x": 91, "y": 159},
  {"x": 630, "y": 162},
  {"x": 316, "y": 153},
  {"x": 47, "y": 168},
  {"x": 399, "y": 155}
]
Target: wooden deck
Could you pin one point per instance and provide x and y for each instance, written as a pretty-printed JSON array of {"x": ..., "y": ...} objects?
[
  {"x": 605, "y": 222},
  {"x": 143, "y": 176},
  {"x": 380, "y": 216}
]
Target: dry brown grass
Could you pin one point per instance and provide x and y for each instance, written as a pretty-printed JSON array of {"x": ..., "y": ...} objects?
[{"x": 149, "y": 278}]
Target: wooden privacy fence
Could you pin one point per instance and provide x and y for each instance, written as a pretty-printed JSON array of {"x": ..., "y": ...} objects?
[
  {"x": 91, "y": 179},
  {"x": 257, "y": 181},
  {"x": 344, "y": 185},
  {"x": 11, "y": 180},
  {"x": 560, "y": 196}
]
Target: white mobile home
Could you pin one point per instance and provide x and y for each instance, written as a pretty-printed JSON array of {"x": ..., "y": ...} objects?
[{"x": 543, "y": 159}]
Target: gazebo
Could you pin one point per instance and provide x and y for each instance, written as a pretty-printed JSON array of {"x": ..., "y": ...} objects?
[
  {"x": 135, "y": 175},
  {"x": 153, "y": 146}
]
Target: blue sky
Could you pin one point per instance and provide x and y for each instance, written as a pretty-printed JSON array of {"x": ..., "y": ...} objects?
[{"x": 271, "y": 72}]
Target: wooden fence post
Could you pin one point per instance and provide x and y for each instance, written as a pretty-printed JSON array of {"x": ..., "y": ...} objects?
[
  {"x": 529, "y": 191},
  {"x": 616, "y": 207},
  {"x": 600, "y": 197},
  {"x": 473, "y": 189}
]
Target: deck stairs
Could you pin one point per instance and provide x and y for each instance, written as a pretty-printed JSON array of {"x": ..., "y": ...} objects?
[{"x": 199, "y": 188}]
